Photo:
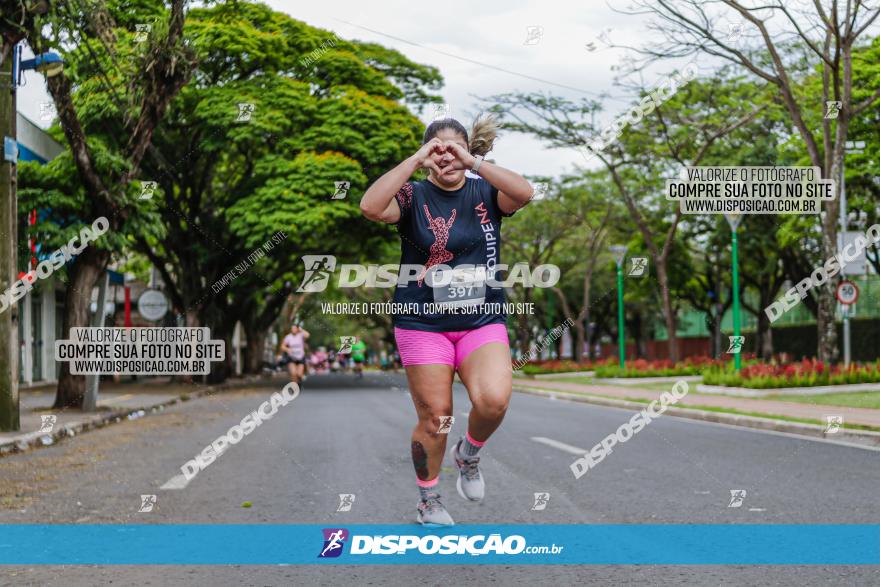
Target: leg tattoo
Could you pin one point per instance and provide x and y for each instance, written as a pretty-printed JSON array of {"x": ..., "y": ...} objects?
[{"x": 420, "y": 460}]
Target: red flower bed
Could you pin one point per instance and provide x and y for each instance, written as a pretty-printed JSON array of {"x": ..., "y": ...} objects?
[
  {"x": 806, "y": 373},
  {"x": 658, "y": 368},
  {"x": 560, "y": 366}
]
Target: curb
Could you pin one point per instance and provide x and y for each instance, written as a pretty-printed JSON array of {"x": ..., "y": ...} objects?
[
  {"x": 30, "y": 440},
  {"x": 843, "y": 436},
  {"x": 783, "y": 391},
  {"x": 637, "y": 380},
  {"x": 561, "y": 375}
]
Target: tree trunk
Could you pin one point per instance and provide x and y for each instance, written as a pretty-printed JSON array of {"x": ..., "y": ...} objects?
[
  {"x": 668, "y": 313},
  {"x": 717, "y": 338},
  {"x": 84, "y": 273},
  {"x": 765, "y": 337},
  {"x": 256, "y": 341},
  {"x": 221, "y": 370},
  {"x": 577, "y": 350},
  {"x": 637, "y": 330},
  {"x": 827, "y": 351}
]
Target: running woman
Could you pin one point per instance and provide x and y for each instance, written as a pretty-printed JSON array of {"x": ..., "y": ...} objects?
[
  {"x": 450, "y": 219},
  {"x": 294, "y": 347},
  {"x": 358, "y": 355}
]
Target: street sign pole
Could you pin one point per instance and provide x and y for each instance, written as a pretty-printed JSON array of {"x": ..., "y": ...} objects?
[
  {"x": 620, "y": 334},
  {"x": 843, "y": 227},
  {"x": 847, "y": 293},
  {"x": 550, "y": 317},
  {"x": 734, "y": 220},
  {"x": 90, "y": 401},
  {"x": 619, "y": 252},
  {"x": 737, "y": 358}
]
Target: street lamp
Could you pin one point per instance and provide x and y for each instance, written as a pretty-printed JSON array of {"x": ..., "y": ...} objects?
[
  {"x": 49, "y": 64},
  {"x": 734, "y": 220},
  {"x": 619, "y": 252}
]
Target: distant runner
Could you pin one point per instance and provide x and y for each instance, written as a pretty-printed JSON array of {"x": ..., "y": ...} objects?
[
  {"x": 357, "y": 355},
  {"x": 293, "y": 348}
]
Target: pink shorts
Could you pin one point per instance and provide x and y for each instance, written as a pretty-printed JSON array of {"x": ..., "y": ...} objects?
[{"x": 419, "y": 347}]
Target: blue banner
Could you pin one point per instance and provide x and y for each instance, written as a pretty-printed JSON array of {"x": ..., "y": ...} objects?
[{"x": 270, "y": 544}]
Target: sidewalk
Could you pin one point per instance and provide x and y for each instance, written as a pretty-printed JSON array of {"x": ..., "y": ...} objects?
[
  {"x": 116, "y": 401},
  {"x": 858, "y": 416}
]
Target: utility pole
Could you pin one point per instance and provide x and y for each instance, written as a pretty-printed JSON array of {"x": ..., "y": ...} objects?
[
  {"x": 619, "y": 252},
  {"x": 9, "y": 410},
  {"x": 734, "y": 220}
]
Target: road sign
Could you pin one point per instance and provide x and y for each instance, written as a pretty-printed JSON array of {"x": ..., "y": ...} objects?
[
  {"x": 847, "y": 293},
  {"x": 858, "y": 265},
  {"x": 152, "y": 305}
]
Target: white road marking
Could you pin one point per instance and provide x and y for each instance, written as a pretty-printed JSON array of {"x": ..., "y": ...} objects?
[
  {"x": 560, "y": 445},
  {"x": 792, "y": 435},
  {"x": 757, "y": 509}
]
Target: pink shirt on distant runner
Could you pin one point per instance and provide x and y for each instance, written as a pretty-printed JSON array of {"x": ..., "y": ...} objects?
[{"x": 296, "y": 345}]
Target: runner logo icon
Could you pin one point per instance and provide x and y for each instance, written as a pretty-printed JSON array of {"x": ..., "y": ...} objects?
[
  {"x": 833, "y": 424},
  {"x": 541, "y": 501},
  {"x": 737, "y": 497},
  {"x": 639, "y": 264},
  {"x": 318, "y": 271},
  {"x": 334, "y": 539},
  {"x": 446, "y": 423},
  {"x": 342, "y": 188},
  {"x": 736, "y": 344},
  {"x": 345, "y": 344},
  {"x": 48, "y": 422},
  {"x": 346, "y": 500},
  {"x": 147, "y": 503}
]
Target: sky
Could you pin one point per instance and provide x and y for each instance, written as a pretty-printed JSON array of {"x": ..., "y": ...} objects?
[{"x": 493, "y": 35}]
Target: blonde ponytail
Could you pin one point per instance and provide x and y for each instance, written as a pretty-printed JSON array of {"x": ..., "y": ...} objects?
[{"x": 484, "y": 131}]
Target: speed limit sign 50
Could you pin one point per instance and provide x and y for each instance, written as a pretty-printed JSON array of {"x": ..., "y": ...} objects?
[{"x": 847, "y": 293}]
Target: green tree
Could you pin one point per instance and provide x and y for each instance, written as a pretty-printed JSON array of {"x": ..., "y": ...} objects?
[
  {"x": 112, "y": 94},
  {"x": 677, "y": 132},
  {"x": 324, "y": 111},
  {"x": 785, "y": 44}
]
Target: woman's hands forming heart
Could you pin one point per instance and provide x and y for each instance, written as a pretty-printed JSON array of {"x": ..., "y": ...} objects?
[
  {"x": 424, "y": 155},
  {"x": 444, "y": 157},
  {"x": 461, "y": 158}
]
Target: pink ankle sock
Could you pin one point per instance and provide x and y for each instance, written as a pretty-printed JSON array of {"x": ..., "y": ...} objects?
[
  {"x": 428, "y": 484},
  {"x": 477, "y": 443}
]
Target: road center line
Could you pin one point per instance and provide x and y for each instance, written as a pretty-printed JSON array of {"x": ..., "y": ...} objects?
[{"x": 560, "y": 445}]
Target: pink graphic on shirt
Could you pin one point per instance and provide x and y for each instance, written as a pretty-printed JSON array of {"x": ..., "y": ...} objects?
[
  {"x": 440, "y": 227},
  {"x": 404, "y": 196}
]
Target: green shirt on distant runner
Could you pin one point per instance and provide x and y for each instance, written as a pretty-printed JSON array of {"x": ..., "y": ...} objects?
[{"x": 357, "y": 351}]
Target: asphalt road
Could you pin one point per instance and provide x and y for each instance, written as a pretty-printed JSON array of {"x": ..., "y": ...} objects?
[{"x": 341, "y": 436}]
